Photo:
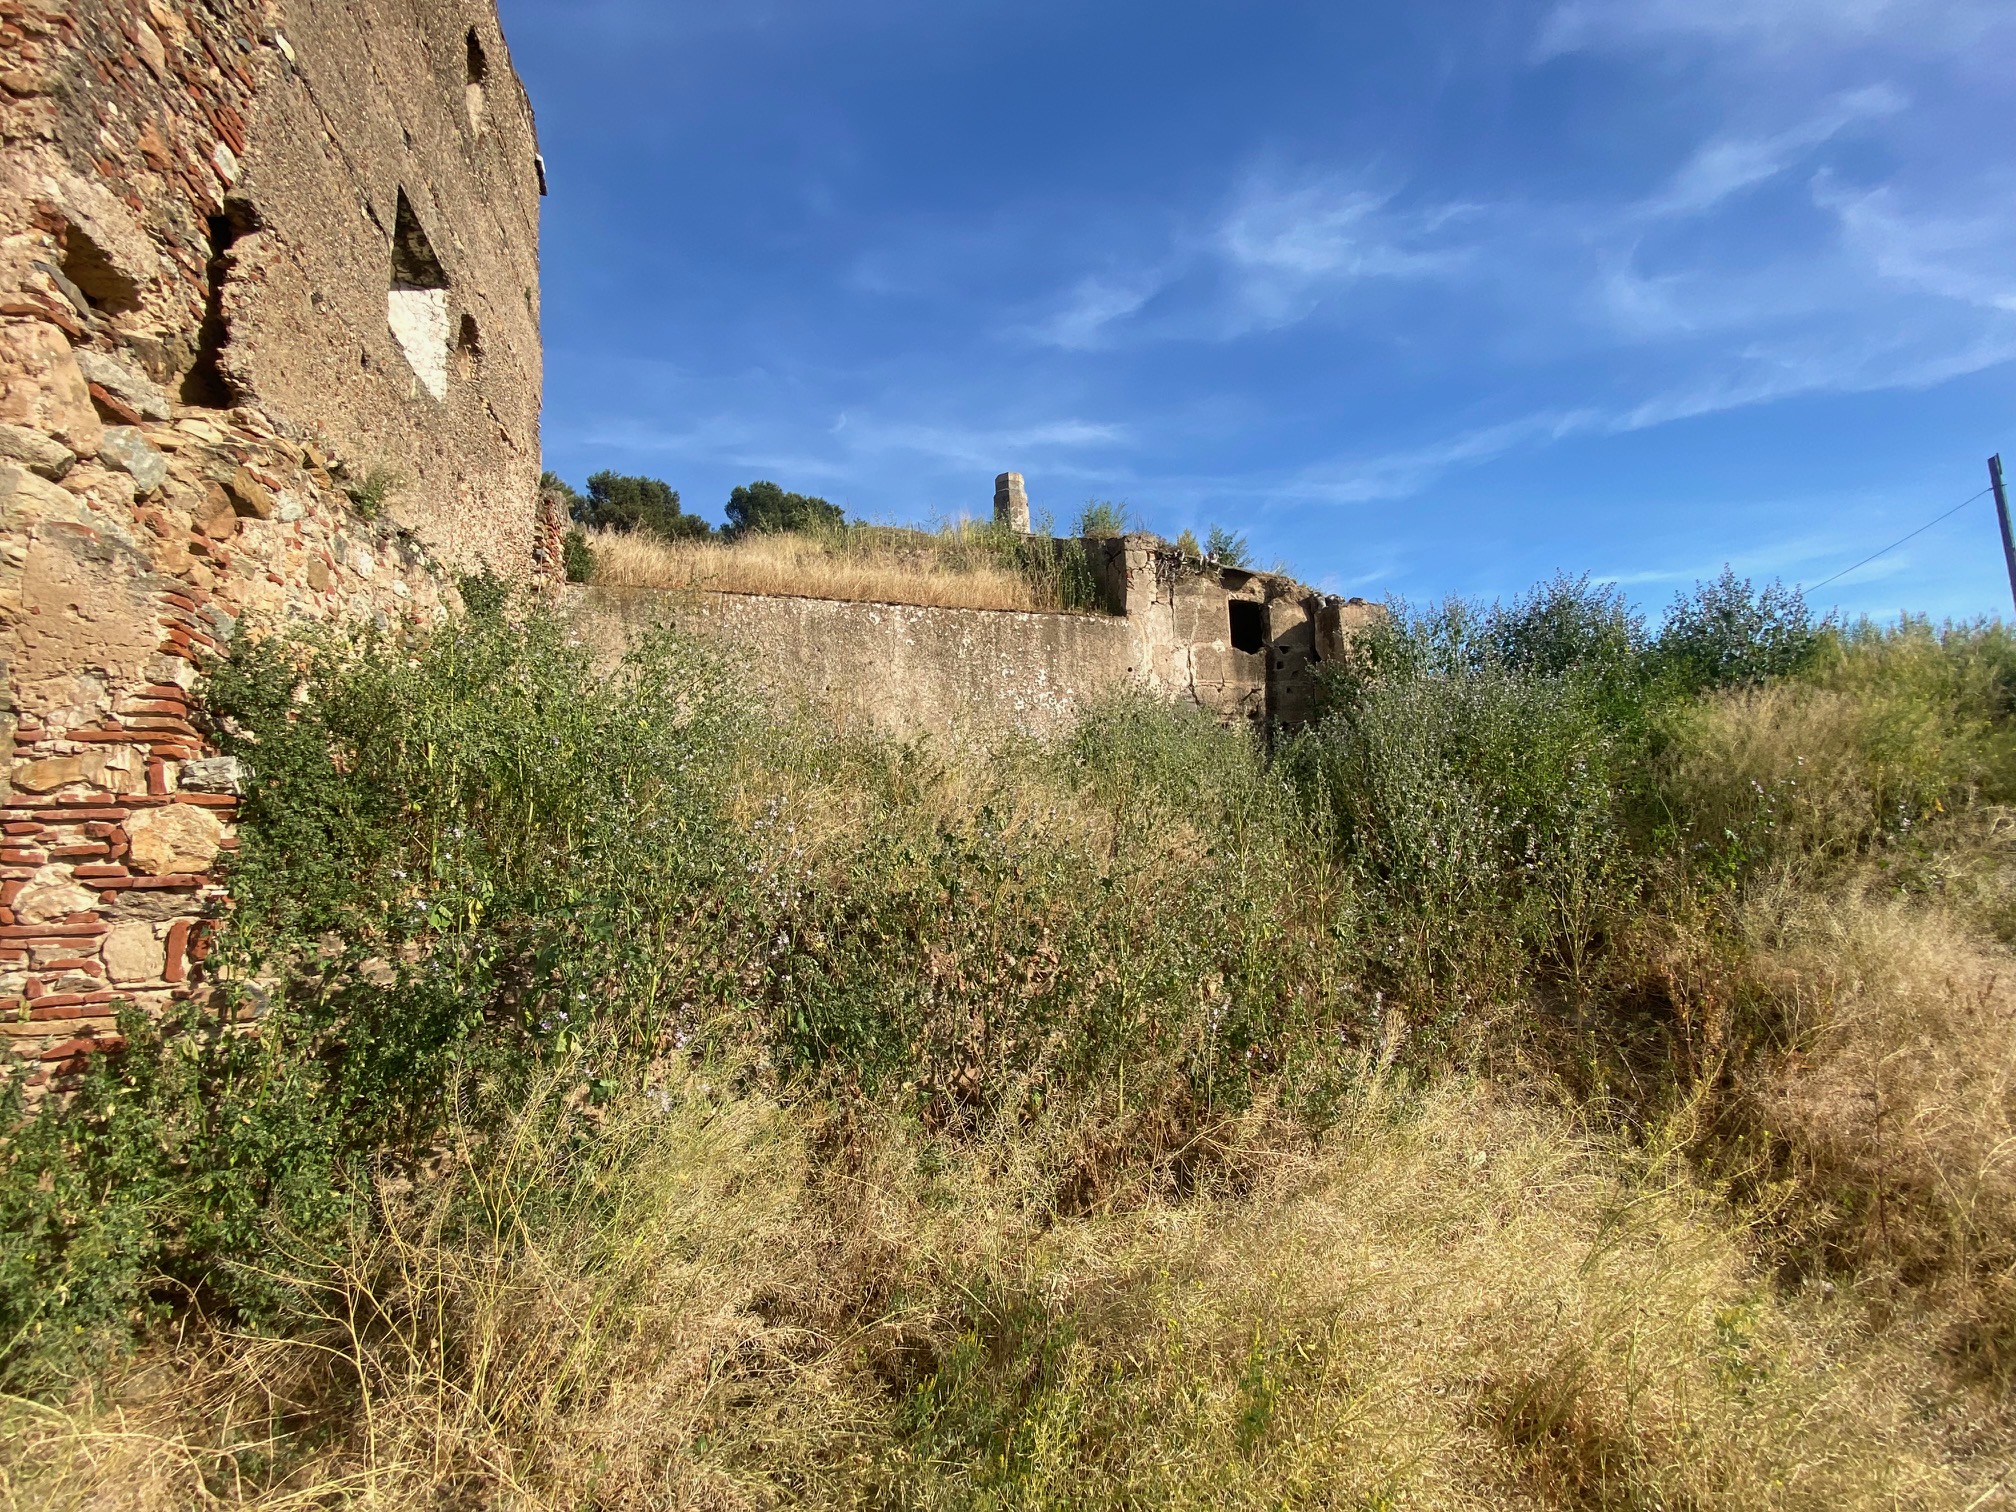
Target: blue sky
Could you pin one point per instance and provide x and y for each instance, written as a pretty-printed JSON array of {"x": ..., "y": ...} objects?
[{"x": 1426, "y": 298}]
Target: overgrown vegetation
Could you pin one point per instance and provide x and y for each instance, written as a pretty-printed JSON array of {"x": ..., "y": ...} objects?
[
  {"x": 961, "y": 565},
  {"x": 1576, "y": 1073}
]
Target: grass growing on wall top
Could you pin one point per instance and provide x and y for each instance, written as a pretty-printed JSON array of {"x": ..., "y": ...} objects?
[
  {"x": 1566, "y": 1077},
  {"x": 964, "y": 565}
]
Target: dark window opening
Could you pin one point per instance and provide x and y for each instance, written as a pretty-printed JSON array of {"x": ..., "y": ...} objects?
[
  {"x": 414, "y": 265},
  {"x": 206, "y": 384},
  {"x": 468, "y": 346},
  {"x": 1249, "y": 626},
  {"x": 479, "y": 74}
]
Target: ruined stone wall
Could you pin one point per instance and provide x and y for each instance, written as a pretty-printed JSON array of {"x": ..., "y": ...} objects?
[
  {"x": 268, "y": 347},
  {"x": 1245, "y": 645},
  {"x": 898, "y": 669},
  {"x": 978, "y": 673}
]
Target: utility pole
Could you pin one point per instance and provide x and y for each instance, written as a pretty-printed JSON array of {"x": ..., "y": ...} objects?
[{"x": 2002, "y": 514}]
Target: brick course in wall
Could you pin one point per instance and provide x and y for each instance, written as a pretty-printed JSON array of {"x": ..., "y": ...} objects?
[{"x": 206, "y": 420}]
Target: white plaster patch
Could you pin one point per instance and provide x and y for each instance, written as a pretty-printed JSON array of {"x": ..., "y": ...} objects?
[{"x": 419, "y": 320}]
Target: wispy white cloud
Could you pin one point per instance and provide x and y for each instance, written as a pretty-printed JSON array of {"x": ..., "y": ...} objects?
[
  {"x": 1085, "y": 319},
  {"x": 1401, "y": 474},
  {"x": 1290, "y": 242},
  {"x": 1959, "y": 257},
  {"x": 1727, "y": 166}
]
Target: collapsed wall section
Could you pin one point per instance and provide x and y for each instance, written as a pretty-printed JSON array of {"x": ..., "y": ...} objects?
[{"x": 212, "y": 409}]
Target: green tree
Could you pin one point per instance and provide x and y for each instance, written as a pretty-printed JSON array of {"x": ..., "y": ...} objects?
[
  {"x": 1227, "y": 549},
  {"x": 765, "y": 509},
  {"x": 615, "y": 501}
]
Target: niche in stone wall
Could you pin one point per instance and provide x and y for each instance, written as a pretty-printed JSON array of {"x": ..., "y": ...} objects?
[
  {"x": 468, "y": 348},
  {"x": 208, "y": 381},
  {"x": 418, "y": 306},
  {"x": 1249, "y": 626},
  {"x": 479, "y": 75}
]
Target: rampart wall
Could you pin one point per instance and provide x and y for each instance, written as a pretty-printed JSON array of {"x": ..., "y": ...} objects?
[
  {"x": 1171, "y": 628},
  {"x": 269, "y": 347}
]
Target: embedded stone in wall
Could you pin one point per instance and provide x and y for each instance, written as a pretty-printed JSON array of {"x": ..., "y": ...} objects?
[
  {"x": 120, "y": 384},
  {"x": 125, "y": 447},
  {"x": 135, "y": 953},
  {"x": 174, "y": 840},
  {"x": 42, "y": 389},
  {"x": 35, "y": 451}
]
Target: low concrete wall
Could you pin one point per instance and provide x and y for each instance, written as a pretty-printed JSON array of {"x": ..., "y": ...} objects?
[{"x": 897, "y": 668}]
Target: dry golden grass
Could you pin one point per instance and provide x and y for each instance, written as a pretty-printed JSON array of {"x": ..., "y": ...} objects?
[
  {"x": 864, "y": 565},
  {"x": 1899, "y": 1101},
  {"x": 1453, "y": 1303}
]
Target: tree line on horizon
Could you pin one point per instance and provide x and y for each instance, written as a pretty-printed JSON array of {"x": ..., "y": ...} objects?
[
  {"x": 624, "y": 503},
  {"x": 619, "y": 502}
]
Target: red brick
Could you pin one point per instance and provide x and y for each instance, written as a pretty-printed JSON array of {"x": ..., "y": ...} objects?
[
  {"x": 72, "y": 1000},
  {"x": 80, "y": 1049},
  {"x": 177, "y": 967},
  {"x": 121, "y": 411}
]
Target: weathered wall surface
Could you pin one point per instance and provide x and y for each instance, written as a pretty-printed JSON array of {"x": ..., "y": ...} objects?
[
  {"x": 895, "y": 668},
  {"x": 219, "y": 203},
  {"x": 975, "y": 673},
  {"x": 209, "y": 212}
]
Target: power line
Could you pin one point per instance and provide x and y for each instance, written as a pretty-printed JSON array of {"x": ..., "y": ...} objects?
[{"x": 1895, "y": 544}]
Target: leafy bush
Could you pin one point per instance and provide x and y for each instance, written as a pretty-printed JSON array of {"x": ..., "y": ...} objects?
[
  {"x": 369, "y": 494},
  {"x": 1101, "y": 517},
  {"x": 1884, "y": 731},
  {"x": 1227, "y": 549},
  {"x": 577, "y": 557},
  {"x": 464, "y": 858},
  {"x": 1729, "y": 633},
  {"x": 1476, "y": 802}
]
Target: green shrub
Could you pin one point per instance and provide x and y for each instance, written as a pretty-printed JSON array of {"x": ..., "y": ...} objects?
[
  {"x": 1470, "y": 772},
  {"x": 615, "y": 501},
  {"x": 1729, "y": 633},
  {"x": 1101, "y": 517},
  {"x": 464, "y": 858},
  {"x": 577, "y": 557},
  {"x": 763, "y": 507},
  {"x": 1227, "y": 548},
  {"x": 1885, "y": 730},
  {"x": 369, "y": 494}
]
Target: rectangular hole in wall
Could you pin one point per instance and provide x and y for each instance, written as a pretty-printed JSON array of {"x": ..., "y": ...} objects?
[
  {"x": 1249, "y": 625},
  {"x": 478, "y": 76}
]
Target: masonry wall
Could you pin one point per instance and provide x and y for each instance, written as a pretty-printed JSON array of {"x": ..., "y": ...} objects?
[
  {"x": 894, "y": 668},
  {"x": 214, "y": 217},
  {"x": 978, "y": 673}
]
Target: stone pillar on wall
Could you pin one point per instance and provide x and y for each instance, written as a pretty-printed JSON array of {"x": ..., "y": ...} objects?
[{"x": 1011, "y": 503}]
